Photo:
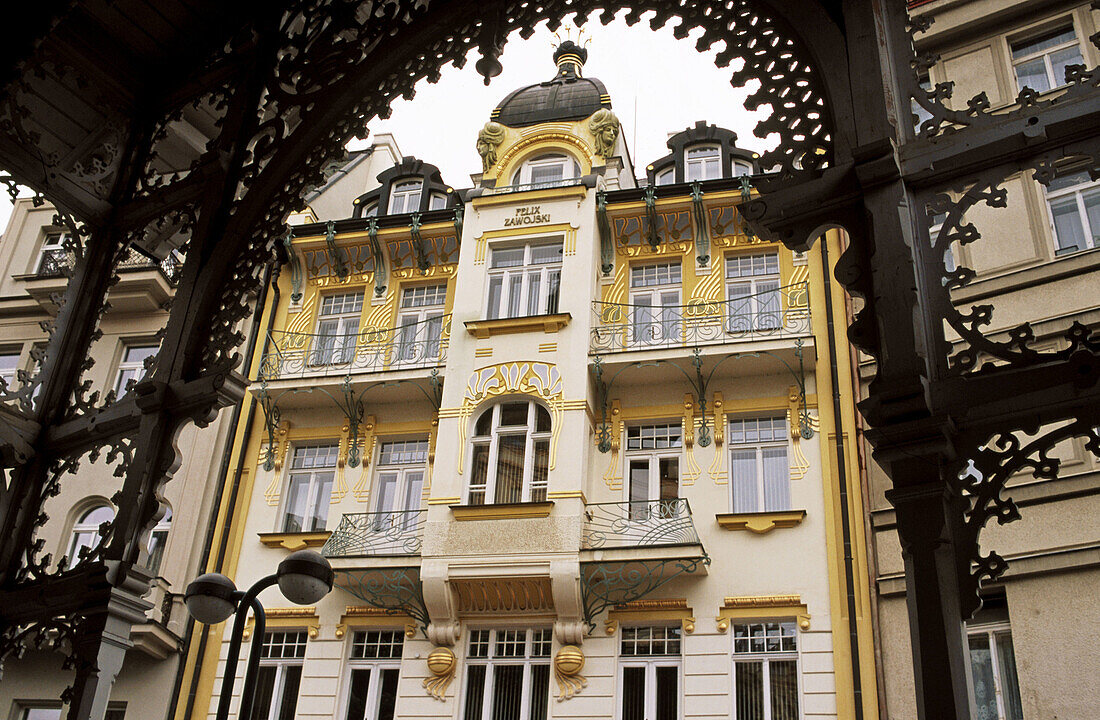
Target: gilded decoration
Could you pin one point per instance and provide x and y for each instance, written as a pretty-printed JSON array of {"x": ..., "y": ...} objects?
[
  {"x": 613, "y": 476},
  {"x": 674, "y": 228},
  {"x": 562, "y": 138},
  {"x": 604, "y": 127},
  {"x": 488, "y": 142},
  {"x": 795, "y": 416},
  {"x": 358, "y": 259},
  {"x": 282, "y": 446},
  {"x": 651, "y": 611},
  {"x": 761, "y": 522},
  {"x": 762, "y": 606},
  {"x": 568, "y": 664},
  {"x": 567, "y": 231},
  {"x": 441, "y": 664},
  {"x": 437, "y": 250},
  {"x": 361, "y": 489},
  {"x": 692, "y": 471},
  {"x": 717, "y": 469},
  {"x": 504, "y": 594},
  {"x": 537, "y": 379},
  {"x": 288, "y": 617},
  {"x": 366, "y": 616}
]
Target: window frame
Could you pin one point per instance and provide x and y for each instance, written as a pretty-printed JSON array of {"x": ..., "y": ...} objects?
[
  {"x": 665, "y": 320},
  {"x": 1049, "y": 29},
  {"x": 314, "y": 484},
  {"x": 650, "y": 662},
  {"x": 758, "y": 446},
  {"x": 402, "y": 470},
  {"x": 127, "y": 370},
  {"x": 10, "y": 376},
  {"x": 492, "y": 661},
  {"x": 766, "y": 658},
  {"x": 567, "y": 163},
  {"x": 1077, "y": 191},
  {"x": 161, "y": 532},
  {"x": 408, "y": 205},
  {"x": 24, "y": 707},
  {"x": 376, "y": 665},
  {"x": 488, "y": 490},
  {"x": 81, "y": 527},
  {"x": 665, "y": 177},
  {"x": 281, "y": 664},
  {"x": 666, "y": 506},
  {"x": 339, "y": 347},
  {"x": 763, "y": 302},
  {"x": 991, "y": 630},
  {"x": 414, "y": 320},
  {"x": 691, "y": 164},
  {"x": 548, "y": 301},
  {"x": 53, "y": 245}
]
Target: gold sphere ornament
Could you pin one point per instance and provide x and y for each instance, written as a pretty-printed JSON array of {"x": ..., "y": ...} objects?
[
  {"x": 570, "y": 660},
  {"x": 441, "y": 660}
]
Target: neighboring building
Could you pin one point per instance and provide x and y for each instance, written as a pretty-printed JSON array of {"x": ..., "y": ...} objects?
[
  {"x": 563, "y": 425},
  {"x": 1039, "y": 263}
]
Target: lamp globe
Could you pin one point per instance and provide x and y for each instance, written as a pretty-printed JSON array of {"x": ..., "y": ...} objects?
[
  {"x": 304, "y": 577},
  {"x": 210, "y": 598}
]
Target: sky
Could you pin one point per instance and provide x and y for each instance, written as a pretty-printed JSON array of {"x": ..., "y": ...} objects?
[{"x": 658, "y": 85}]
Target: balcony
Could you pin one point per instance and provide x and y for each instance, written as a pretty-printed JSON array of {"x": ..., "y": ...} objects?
[
  {"x": 377, "y": 534},
  {"x": 144, "y": 285},
  {"x": 59, "y": 263},
  {"x": 780, "y": 313},
  {"x": 301, "y": 355},
  {"x": 638, "y": 524}
]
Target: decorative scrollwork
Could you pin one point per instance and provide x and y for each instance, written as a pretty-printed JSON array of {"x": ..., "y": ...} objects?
[
  {"x": 397, "y": 589},
  {"x": 606, "y": 584}
]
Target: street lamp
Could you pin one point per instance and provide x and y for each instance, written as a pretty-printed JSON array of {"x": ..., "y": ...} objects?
[{"x": 303, "y": 577}]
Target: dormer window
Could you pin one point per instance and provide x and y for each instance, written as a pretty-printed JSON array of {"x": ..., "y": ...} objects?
[
  {"x": 547, "y": 171},
  {"x": 438, "y": 201},
  {"x": 740, "y": 167},
  {"x": 665, "y": 177},
  {"x": 405, "y": 197},
  {"x": 371, "y": 211},
  {"x": 703, "y": 162}
]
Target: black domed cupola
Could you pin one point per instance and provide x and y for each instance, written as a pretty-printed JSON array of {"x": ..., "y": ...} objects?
[
  {"x": 409, "y": 186},
  {"x": 568, "y": 96}
]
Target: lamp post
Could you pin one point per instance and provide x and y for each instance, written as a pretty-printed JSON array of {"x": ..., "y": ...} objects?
[{"x": 303, "y": 577}]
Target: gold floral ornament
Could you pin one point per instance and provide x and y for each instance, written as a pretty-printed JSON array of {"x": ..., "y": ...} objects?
[
  {"x": 488, "y": 140},
  {"x": 567, "y": 668},
  {"x": 605, "y": 131},
  {"x": 441, "y": 664}
]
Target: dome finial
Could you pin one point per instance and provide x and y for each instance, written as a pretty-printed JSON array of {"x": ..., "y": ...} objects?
[{"x": 570, "y": 55}]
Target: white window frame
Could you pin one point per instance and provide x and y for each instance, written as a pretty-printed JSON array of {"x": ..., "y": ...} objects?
[
  {"x": 740, "y": 167},
  {"x": 405, "y": 196},
  {"x": 1078, "y": 191},
  {"x": 376, "y": 665},
  {"x": 10, "y": 354},
  {"x": 665, "y": 177},
  {"x": 757, "y": 447},
  {"x": 337, "y": 346},
  {"x": 85, "y": 533},
  {"x": 53, "y": 244},
  {"x": 532, "y": 491},
  {"x": 667, "y": 442},
  {"x": 131, "y": 369},
  {"x": 702, "y": 167},
  {"x": 419, "y": 333},
  {"x": 991, "y": 631},
  {"x": 655, "y": 312},
  {"x": 766, "y": 658},
  {"x": 158, "y": 539},
  {"x": 764, "y": 299},
  {"x": 492, "y": 661},
  {"x": 570, "y": 170},
  {"x": 315, "y": 484},
  {"x": 437, "y": 201},
  {"x": 1055, "y": 82},
  {"x": 405, "y": 459},
  {"x": 26, "y": 707},
  {"x": 538, "y": 282},
  {"x": 281, "y": 664},
  {"x": 650, "y": 662}
]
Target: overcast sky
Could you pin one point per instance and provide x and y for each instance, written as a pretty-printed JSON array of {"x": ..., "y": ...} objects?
[{"x": 658, "y": 85}]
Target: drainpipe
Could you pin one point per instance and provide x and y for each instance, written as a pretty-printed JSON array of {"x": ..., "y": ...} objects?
[
  {"x": 842, "y": 472},
  {"x": 223, "y": 472}
]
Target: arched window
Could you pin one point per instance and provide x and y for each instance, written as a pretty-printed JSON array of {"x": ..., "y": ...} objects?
[
  {"x": 703, "y": 162},
  {"x": 86, "y": 530},
  {"x": 665, "y": 177},
  {"x": 405, "y": 197},
  {"x": 511, "y": 454},
  {"x": 547, "y": 171},
  {"x": 158, "y": 539},
  {"x": 740, "y": 167}
]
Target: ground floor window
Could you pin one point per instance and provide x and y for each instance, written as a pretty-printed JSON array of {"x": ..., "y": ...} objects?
[
  {"x": 765, "y": 671},
  {"x": 508, "y": 675},
  {"x": 280, "y": 675},
  {"x": 375, "y": 665},
  {"x": 649, "y": 673}
]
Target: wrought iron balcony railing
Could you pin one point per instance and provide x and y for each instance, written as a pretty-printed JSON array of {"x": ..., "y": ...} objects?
[
  {"x": 638, "y": 524},
  {"x": 58, "y": 263},
  {"x": 415, "y": 345},
  {"x": 377, "y": 533},
  {"x": 502, "y": 189},
  {"x": 784, "y": 311}
]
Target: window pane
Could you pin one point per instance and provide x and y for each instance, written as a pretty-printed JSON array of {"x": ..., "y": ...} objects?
[
  {"x": 1033, "y": 74},
  {"x": 668, "y": 680},
  {"x": 292, "y": 677},
  {"x": 634, "y": 693},
  {"x": 321, "y": 501},
  {"x": 534, "y": 287},
  {"x": 553, "y": 290},
  {"x": 515, "y": 290},
  {"x": 1092, "y": 212},
  {"x": 1069, "y": 236},
  {"x": 493, "y": 311},
  {"x": 540, "y": 691},
  {"x": 510, "y": 456},
  {"x": 540, "y": 473},
  {"x": 387, "y": 700},
  {"x": 1059, "y": 59},
  {"x": 749, "y": 689},
  {"x": 669, "y": 471},
  {"x": 784, "y": 689},
  {"x": 981, "y": 670},
  {"x": 513, "y": 414},
  {"x": 414, "y": 488},
  {"x": 507, "y": 692},
  {"x": 297, "y": 496},
  {"x": 41, "y": 714},
  {"x": 265, "y": 690},
  {"x": 639, "y": 488},
  {"x": 507, "y": 257},
  {"x": 1043, "y": 42},
  {"x": 542, "y": 419},
  {"x": 777, "y": 491},
  {"x": 475, "y": 691},
  {"x": 479, "y": 474},
  {"x": 545, "y": 254},
  {"x": 1010, "y": 683},
  {"x": 357, "y": 697},
  {"x": 743, "y": 481},
  {"x": 387, "y": 489}
]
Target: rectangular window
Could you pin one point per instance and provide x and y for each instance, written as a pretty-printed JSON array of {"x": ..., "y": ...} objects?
[
  {"x": 653, "y": 471},
  {"x": 36, "y": 711},
  {"x": 1040, "y": 62},
  {"x": 524, "y": 281},
  {"x": 703, "y": 163},
  {"x": 280, "y": 675},
  {"x": 649, "y": 673},
  {"x": 312, "y": 468},
  {"x": 765, "y": 671},
  {"x": 53, "y": 258},
  {"x": 759, "y": 471},
  {"x": 655, "y": 298},
  {"x": 375, "y": 666},
  {"x": 399, "y": 485},
  {"x": 420, "y": 323},
  {"x": 508, "y": 675},
  {"x": 337, "y": 329},
  {"x": 996, "y": 685},
  {"x": 9, "y": 365},
  {"x": 132, "y": 367},
  {"x": 1074, "y": 203},
  {"x": 754, "y": 301},
  {"x": 405, "y": 197}
]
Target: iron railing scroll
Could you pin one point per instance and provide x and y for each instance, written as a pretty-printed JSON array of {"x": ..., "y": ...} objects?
[
  {"x": 377, "y": 533},
  {"x": 415, "y": 345},
  {"x": 638, "y": 524},
  {"x": 58, "y": 262},
  {"x": 779, "y": 312}
]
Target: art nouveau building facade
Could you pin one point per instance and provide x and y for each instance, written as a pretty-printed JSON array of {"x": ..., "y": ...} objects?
[{"x": 575, "y": 444}]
